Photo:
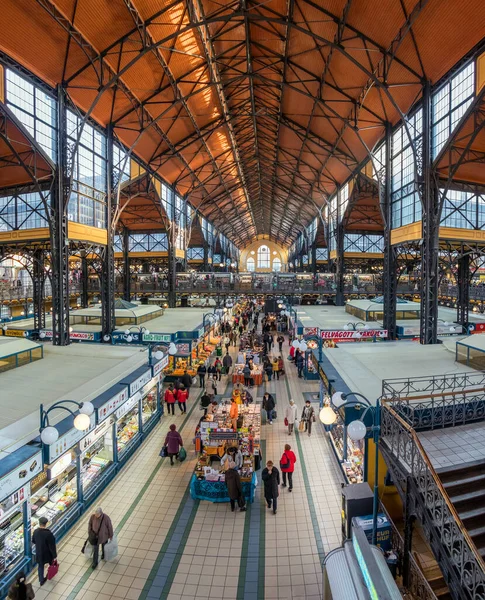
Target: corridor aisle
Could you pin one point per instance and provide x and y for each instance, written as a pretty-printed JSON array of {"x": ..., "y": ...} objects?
[{"x": 172, "y": 547}]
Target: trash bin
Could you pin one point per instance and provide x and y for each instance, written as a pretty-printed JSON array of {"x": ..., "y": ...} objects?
[{"x": 219, "y": 351}]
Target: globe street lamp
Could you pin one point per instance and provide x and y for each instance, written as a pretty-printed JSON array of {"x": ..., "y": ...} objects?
[
  {"x": 357, "y": 430},
  {"x": 141, "y": 330},
  {"x": 49, "y": 434}
]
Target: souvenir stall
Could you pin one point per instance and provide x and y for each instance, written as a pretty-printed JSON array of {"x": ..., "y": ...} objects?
[
  {"x": 312, "y": 345},
  {"x": 216, "y": 436},
  {"x": 17, "y": 470},
  {"x": 256, "y": 373}
]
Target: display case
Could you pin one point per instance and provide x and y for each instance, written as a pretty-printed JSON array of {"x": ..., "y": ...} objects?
[
  {"x": 149, "y": 405},
  {"x": 96, "y": 458},
  {"x": 350, "y": 454},
  {"x": 127, "y": 430}
]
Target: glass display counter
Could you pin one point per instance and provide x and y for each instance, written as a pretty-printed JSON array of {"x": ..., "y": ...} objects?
[
  {"x": 127, "y": 429},
  {"x": 149, "y": 405},
  {"x": 96, "y": 456}
]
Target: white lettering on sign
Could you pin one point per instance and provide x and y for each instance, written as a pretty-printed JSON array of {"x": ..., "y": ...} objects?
[
  {"x": 140, "y": 382},
  {"x": 109, "y": 407},
  {"x": 19, "y": 476},
  {"x": 74, "y": 335},
  {"x": 354, "y": 335},
  {"x": 160, "y": 365},
  {"x": 127, "y": 406}
]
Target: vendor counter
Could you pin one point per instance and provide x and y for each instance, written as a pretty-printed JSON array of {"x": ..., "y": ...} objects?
[
  {"x": 216, "y": 491},
  {"x": 256, "y": 374}
]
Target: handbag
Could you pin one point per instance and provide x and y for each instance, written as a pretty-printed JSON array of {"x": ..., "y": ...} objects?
[
  {"x": 274, "y": 415},
  {"x": 194, "y": 380},
  {"x": 164, "y": 452},
  {"x": 52, "y": 570},
  {"x": 301, "y": 426},
  {"x": 286, "y": 422},
  {"x": 182, "y": 454},
  {"x": 111, "y": 548}
]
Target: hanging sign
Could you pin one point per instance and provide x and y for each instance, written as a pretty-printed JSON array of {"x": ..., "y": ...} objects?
[
  {"x": 68, "y": 441},
  {"x": 127, "y": 406},
  {"x": 136, "y": 385},
  {"x": 354, "y": 335},
  {"x": 183, "y": 348},
  {"x": 310, "y": 331},
  {"x": 15, "y": 333},
  {"x": 159, "y": 366},
  {"x": 109, "y": 407},
  {"x": 157, "y": 337},
  {"x": 74, "y": 335},
  {"x": 22, "y": 474},
  {"x": 94, "y": 435}
]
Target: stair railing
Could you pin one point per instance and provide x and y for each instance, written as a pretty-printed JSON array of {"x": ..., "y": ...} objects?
[{"x": 402, "y": 443}]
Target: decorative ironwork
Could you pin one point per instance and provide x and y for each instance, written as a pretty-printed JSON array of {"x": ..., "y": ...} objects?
[{"x": 426, "y": 385}]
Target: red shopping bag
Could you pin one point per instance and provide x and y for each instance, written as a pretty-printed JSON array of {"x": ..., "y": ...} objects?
[
  {"x": 52, "y": 570},
  {"x": 286, "y": 422}
]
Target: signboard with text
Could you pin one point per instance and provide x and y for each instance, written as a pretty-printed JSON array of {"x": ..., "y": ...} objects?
[
  {"x": 112, "y": 404},
  {"x": 22, "y": 474},
  {"x": 74, "y": 335},
  {"x": 158, "y": 338},
  {"x": 354, "y": 335},
  {"x": 68, "y": 441}
]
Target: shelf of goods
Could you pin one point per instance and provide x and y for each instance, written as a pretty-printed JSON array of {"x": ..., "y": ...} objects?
[
  {"x": 256, "y": 374},
  {"x": 127, "y": 428},
  {"x": 353, "y": 466},
  {"x": 217, "y": 435},
  {"x": 177, "y": 367},
  {"x": 11, "y": 539}
]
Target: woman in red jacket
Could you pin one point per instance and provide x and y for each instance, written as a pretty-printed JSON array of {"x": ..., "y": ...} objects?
[
  {"x": 170, "y": 399},
  {"x": 287, "y": 465},
  {"x": 182, "y": 396}
]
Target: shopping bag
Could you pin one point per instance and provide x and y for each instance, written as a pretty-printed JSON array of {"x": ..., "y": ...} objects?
[
  {"x": 87, "y": 549},
  {"x": 274, "y": 414},
  {"x": 182, "y": 455},
  {"x": 164, "y": 452},
  {"x": 301, "y": 426},
  {"x": 194, "y": 380},
  {"x": 111, "y": 549},
  {"x": 286, "y": 422},
  {"x": 52, "y": 570}
]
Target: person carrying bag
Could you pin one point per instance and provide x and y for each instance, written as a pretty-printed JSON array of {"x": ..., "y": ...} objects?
[{"x": 100, "y": 531}]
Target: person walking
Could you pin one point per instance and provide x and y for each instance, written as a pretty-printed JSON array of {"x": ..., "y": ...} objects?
[
  {"x": 281, "y": 366},
  {"x": 271, "y": 479},
  {"x": 247, "y": 375},
  {"x": 287, "y": 465},
  {"x": 211, "y": 387},
  {"x": 20, "y": 589},
  {"x": 186, "y": 381},
  {"x": 290, "y": 416},
  {"x": 204, "y": 402},
  {"x": 270, "y": 342},
  {"x": 100, "y": 531},
  {"x": 276, "y": 368},
  {"x": 308, "y": 416},
  {"x": 299, "y": 364},
  {"x": 234, "y": 487},
  {"x": 234, "y": 413},
  {"x": 269, "y": 370},
  {"x": 227, "y": 363},
  {"x": 45, "y": 548},
  {"x": 280, "y": 339},
  {"x": 182, "y": 396},
  {"x": 218, "y": 366},
  {"x": 227, "y": 342},
  {"x": 174, "y": 442},
  {"x": 268, "y": 405},
  {"x": 201, "y": 372},
  {"x": 170, "y": 399}
]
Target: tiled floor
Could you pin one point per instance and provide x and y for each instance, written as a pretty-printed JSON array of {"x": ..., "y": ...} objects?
[
  {"x": 172, "y": 547},
  {"x": 455, "y": 445}
]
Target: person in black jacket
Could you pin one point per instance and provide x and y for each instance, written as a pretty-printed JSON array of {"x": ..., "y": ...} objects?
[
  {"x": 227, "y": 363},
  {"x": 234, "y": 487},
  {"x": 186, "y": 380},
  {"x": 204, "y": 402},
  {"x": 201, "y": 372},
  {"x": 268, "y": 405},
  {"x": 271, "y": 479},
  {"x": 45, "y": 547}
]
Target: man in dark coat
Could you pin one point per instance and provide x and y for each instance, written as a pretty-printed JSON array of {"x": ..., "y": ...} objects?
[
  {"x": 201, "y": 372},
  {"x": 300, "y": 361},
  {"x": 268, "y": 405},
  {"x": 227, "y": 363},
  {"x": 186, "y": 380},
  {"x": 271, "y": 480},
  {"x": 45, "y": 548},
  {"x": 234, "y": 488}
]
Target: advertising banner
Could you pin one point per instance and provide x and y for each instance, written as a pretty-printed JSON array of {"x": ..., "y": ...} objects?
[{"x": 354, "y": 335}]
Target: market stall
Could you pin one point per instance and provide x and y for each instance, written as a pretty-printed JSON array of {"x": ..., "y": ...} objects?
[
  {"x": 216, "y": 436},
  {"x": 16, "y": 472},
  {"x": 256, "y": 374}
]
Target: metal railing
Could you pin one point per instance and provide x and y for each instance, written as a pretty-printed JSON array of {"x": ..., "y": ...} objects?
[
  {"x": 456, "y": 548},
  {"x": 426, "y": 385}
]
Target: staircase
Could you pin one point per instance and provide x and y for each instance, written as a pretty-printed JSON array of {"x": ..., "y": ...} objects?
[{"x": 465, "y": 486}]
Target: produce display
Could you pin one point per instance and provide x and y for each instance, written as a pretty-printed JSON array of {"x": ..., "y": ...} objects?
[
  {"x": 54, "y": 499},
  {"x": 127, "y": 429}
]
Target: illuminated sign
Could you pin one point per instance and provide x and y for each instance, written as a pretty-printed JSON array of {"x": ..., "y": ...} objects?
[
  {"x": 140, "y": 382},
  {"x": 364, "y": 569},
  {"x": 109, "y": 407},
  {"x": 160, "y": 365},
  {"x": 15, "y": 333},
  {"x": 74, "y": 335},
  {"x": 19, "y": 476},
  {"x": 60, "y": 466},
  {"x": 157, "y": 337},
  {"x": 68, "y": 441},
  {"x": 354, "y": 335}
]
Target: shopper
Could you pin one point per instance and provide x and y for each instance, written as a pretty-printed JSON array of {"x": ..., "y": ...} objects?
[
  {"x": 280, "y": 339},
  {"x": 227, "y": 363},
  {"x": 182, "y": 396},
  {"x": 45, "y": 548},
  {"x": 276, "y": 368},
  {"x": 233, "y": 413},
  {"x": 201, "y": 372},
  {"x": 299, "y": 364},
  {"x": 227, "y": 342},
  {"x": 211, "y": 371},
  {"x": 281, "y": 366},
  {"x": 174, "y": 442},
  {"x": 218, "y": 366},
  {"x": 270, "y": 342},
  {"x": 211, "y": 387},
  {"x": 290, "y": 416},
  {"x": 20, "y": 589},
  {"x": 247, "y": 375},
  {"x": 271, "y": 479},
  {"x": 234, "y": 455},
  {"x": 186, "y": 381},
  {"x": 269, "y": 370},
  {"x": 268, "y": 405},
  {"x": 100, "y": 531},
  {"x": 170, "y": 399},
  {"x": 234, "y": 488},
  {"x": 205, "y": 402},
  {"x": 308, "y": 416},
  {"x": 287, "y": 464}
]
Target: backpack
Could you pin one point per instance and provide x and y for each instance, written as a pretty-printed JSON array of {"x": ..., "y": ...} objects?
[{"x": 283, "y": 464}]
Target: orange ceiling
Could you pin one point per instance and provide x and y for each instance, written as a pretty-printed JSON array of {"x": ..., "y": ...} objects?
[{"x": 255, "y": 110}]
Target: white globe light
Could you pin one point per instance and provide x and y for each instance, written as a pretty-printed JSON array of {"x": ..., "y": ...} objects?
[
  {"x": 452, "y": 329},
  {"x": 49, "y": 435},
  {"x": 338, "y": 399},
  {"x": 356, "y": 430},
  {"x": 303, "y": 347},
  {"x": 172, "y": 349},
  {"x": 358, "y": 334},
  {"x": 327, "y": 415},
  {"x": 127, "y": 332},
  {"x": 146, "y": 332},
  {"x": 295, "y": 344},
  {"x": 158, "y": 355},
  {"x": 87, "y": 408},
  {"x": 106, "y": 338},
  {"x": 471, "y": 327},
  {"x": 82, "y": 422},
  {"x": 445, "y": 323},
  {"x": 129, "y": 338},
  {"x": 42, "y": 335}
]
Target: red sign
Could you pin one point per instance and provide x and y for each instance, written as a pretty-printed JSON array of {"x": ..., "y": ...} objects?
[
  {"x": 354, "y": 335},
  {"x": 310, "y": 331},
  {"x": 74, "y": 335}
]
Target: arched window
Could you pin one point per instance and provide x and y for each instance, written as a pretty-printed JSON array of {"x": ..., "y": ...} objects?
[
  {"x": 250, "y": 264},
  {"x": 263, "y": 257},
  {"x": 276, "y": 265}
]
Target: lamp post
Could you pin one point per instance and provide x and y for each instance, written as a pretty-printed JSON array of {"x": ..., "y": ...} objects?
[
  {"x": 357, "y": 430},
  {"x": 353, "y": 326},
  {"x": 49, "y": 434},
  {"x": 158, "y": 354},
  {"x": 141, "y": 330},
  {"x": 459, "y": 327}
]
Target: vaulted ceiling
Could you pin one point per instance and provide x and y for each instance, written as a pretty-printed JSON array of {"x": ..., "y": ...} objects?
[{"x": 254, "y": 109}]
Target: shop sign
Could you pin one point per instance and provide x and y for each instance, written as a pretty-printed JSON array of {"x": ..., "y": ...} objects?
[
  {"x": 94, "y": 435},
  {"x": 157, "y": 337},
  {"x": 21, "y": 475},
  {"x": 15, "y": 333},
  {"x": 68, "y": 441},
  {"x": 127, "y": 406},
  {"x": 310, "y": 331},
  {"x": 122, "y": 337},
  {"x": 354, "y": 335},
  {"x": 58, "y": 467},
  {"x": 11, "y": 503},
  {"x": 74, "y": 335},
  {"x": 479, "y": 327},
  {"x": 183, "y": 348},
  {"x": 136, "y": 385},
  {"x": 109, "y": 407},
  {"x": 160, "y": 365}
]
